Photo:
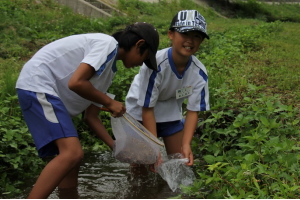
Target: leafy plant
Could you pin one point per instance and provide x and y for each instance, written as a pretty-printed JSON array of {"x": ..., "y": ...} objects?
[
  {"x": 247, "y": 146},
  {"x": 18, "y": 156},
  {"x": 249, "y": 152}
]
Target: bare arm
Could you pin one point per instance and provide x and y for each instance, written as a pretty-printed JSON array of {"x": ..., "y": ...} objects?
[
  {"x": 80, "y": 84},
  {"x": 149, "y": 120},
  {"x": 189, "y": 129},
  {"x": 95, "y": 123}
]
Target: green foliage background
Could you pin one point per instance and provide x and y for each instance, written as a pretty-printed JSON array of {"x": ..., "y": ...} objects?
[{"x": 247, "y": 146}]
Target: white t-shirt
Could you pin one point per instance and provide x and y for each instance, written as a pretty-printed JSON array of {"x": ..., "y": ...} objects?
[
  {"x": 158, "y": 89},
  {"x": 51, "y": 68}
]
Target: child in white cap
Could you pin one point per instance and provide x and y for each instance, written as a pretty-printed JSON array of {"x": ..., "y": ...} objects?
[
  {"x": 67, "y": 77},
  {"x": 155, "y": 97}
]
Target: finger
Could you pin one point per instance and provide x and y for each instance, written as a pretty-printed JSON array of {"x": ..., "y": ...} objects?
[
  {"x": 191, "y": 161},
  {"x": 117, "y": 114},
  {"x": 152, "y": 169}
]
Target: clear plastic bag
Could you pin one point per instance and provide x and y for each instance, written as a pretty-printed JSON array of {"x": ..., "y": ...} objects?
[
  {"x": 134, "y": 143},
  {"x": 175, "y": 172}
]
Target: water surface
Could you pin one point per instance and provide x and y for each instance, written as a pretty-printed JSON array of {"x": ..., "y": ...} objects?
[{"x": 101, "y": 176}]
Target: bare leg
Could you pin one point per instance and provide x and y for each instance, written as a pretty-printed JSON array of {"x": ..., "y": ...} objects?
[
  {"x": 71, "y": 179},
  {"x": 67, "y": 188},
  {"x": 173, "y": 143},
  {"x": 70, "y": 156},
  {"x": 68, "y": 193}
]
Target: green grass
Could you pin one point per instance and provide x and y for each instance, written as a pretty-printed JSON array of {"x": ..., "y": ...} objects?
[
  {"x": 276, "y": 62},
  {"x": 253, "y": 64}
]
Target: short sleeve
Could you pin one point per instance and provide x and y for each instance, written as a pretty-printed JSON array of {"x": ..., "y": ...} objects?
[
  {"x": 199, "y": 99},
  {"x": 148, "y": 85},
  {"x": 97, "y": 51}
]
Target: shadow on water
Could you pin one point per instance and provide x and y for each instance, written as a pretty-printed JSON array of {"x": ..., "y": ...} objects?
[{"x": 101, "y": 176}]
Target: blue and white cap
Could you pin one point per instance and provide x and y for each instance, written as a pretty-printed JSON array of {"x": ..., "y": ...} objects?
[{"x": 189, "y": 20}]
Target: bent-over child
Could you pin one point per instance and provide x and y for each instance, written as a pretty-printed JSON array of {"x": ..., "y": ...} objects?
[{"x": 67, "y": 77}]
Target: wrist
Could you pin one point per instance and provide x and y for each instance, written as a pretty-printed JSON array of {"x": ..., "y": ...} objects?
[{"x": 186, "y": 145}]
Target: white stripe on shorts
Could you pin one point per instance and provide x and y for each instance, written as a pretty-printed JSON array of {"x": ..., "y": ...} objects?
[{"x": 47, "y": 108}]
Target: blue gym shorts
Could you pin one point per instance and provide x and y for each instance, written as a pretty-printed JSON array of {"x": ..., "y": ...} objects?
[
  {"x": 165, "y": 129},
  {"x": 47, "y": 119}
]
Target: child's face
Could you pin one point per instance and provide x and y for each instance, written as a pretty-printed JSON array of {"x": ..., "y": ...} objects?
[
  {"x": 186, "y": 44},
  {"x": 134, "y": 58}
]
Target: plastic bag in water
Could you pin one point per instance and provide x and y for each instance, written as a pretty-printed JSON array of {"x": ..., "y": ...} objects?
[
  {"x": 175, "y": 172},
  {"x": 134, "y": 143}
]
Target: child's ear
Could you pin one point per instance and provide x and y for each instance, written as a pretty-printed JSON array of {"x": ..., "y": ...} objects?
[
  {"x": 170, "y": 34},
  {"x": 140, "y": 43}
]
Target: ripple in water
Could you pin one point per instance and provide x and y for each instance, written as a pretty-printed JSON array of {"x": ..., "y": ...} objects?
[{"x": 101, "y": 176}]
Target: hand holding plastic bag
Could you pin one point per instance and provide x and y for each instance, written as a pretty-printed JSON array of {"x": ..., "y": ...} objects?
[
  {"x": 159, "y": 161},
  {"x": 175, "y": 171}
]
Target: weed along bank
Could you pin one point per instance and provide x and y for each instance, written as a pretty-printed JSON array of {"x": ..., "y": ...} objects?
[{"x": 245, "y": 147}]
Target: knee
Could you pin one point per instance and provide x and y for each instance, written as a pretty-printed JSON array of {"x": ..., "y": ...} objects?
[
  {"x": 78, "y": 155},
  {"x": 75, "y": 156},
  {"x": 70, "y": 149}
]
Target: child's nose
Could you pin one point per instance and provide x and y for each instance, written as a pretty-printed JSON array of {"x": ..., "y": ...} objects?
[{"x": 190, "y": 38}]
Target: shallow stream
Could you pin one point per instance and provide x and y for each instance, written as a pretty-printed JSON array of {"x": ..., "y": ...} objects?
[{"x": 101, "y": 176}]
